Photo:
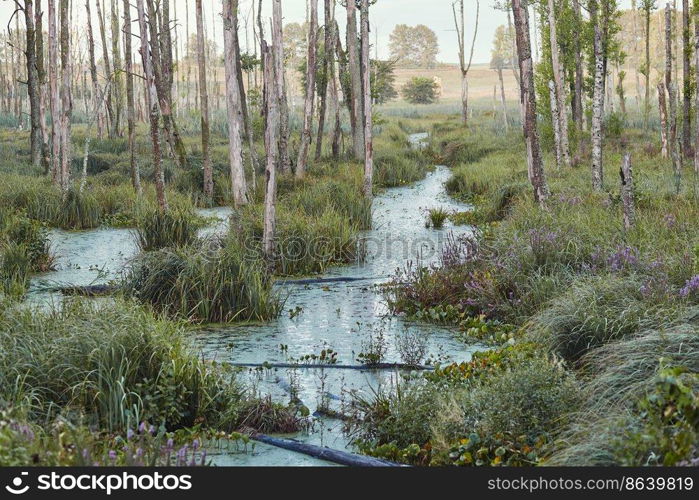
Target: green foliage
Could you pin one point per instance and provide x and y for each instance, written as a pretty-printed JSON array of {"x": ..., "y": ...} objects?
[
  {"x": 420, "y": 90},
  {"x": 174, "y": 228},
  {"x": 219, "y": 284},
  {"x": 436, "y": 217},
  {"x": 15, "y": 266},
  {"x": 79, "y": 210}
]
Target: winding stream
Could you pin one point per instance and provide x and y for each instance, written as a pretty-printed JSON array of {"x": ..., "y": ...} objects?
[{"x": 341, "y": 316}]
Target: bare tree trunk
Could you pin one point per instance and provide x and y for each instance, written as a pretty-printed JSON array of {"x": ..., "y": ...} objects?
[
  {"x": 597, "y": 105},
  {"x": 278, "y": 50},
  {"x": 528, "y": 100},
  {"x": 460, "y": 24},
  {"x": 116, "y": 60},
  {"x": 310, "y": 91},
  {"x": 334, "y": 94},
  {"x": 233, "y": 107},
  {"x": 66, "y": 98},
  {"x": 53, "y": 89},
  {"x": 239, "y": 73},
  {"x": 93, "y": 71},
  {"x": 672, "y": 100},
  {"x": 366, "y": 81},
  {"x": 561, "y": 115},
  {"x": 503, "y": 102},
  {"x": 646, "y": 103},
  {"x": 627, "y": 199},
  {"x": 152, "y": 105},
  {"x": 130, "y": 113},
  {"x": 578, "y": 117},
  {"x": 662, "y": 107},
  {"x": 356, "y": 114},
  {"x": 272, "y": 149},
  {"x": 41, "y": 75},
  {"x": 323, "y": 94},
  {"x": 687, "y": 82},
  {"x": 556, "y": 123},
  {"x": 33, "y": 88},
  {"x": 204, "y": 100},
  {"x": 107, "y": 73}
]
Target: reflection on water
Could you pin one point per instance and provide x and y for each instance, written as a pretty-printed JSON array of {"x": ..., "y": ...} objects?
[{"x": 340, "y": 315}]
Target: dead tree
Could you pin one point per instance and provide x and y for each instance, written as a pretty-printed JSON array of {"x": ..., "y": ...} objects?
[
  {"x": 673, "y": 140},
  {"x": 42, "y": 77},
  {"x": 356, "y": 108},
  {"x": 130, "y": 108},
  {"x": 323, "y": 91},
  {"x": 662, "y": 107},
  {"x": 204, "y": 104},
  {"x": 528, "y": 101},
  {"x": 93, "y": 70},
  {"x": 366, "y": 82},
  {"x": 278, "y": 51},
  {"x": 233, "y": 107},
  {"x": 561, "y": 114},
  {"x": 272, "y": 150},
  {"x": 33, "y": 88},
  {"x": 597, "y": 102},
  {"x": 334, "y": 92},
  {"x": 116, "y": 65},
  {"x": 53, "y": 94},
  {"x": 627, "y": 200},
  {"x": 310, "y": 90},
  {"x": 66, "y": 96},
  {"x": 151, "y": 96},
  {"x": 459, "y": 23},
  {"x": 109, "y": 102},
  {"x": 687, "y": 82}
]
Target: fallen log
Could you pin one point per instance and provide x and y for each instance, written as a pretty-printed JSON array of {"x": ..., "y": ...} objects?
[
  {"x": 378, "y": 366},
  {"x": 314, "y": 281},
  {"x": 83, "y": 290},
  {"x": 324, "y": 453}
]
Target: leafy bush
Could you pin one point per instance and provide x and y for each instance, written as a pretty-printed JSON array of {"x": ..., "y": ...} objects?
[{"x": 420, "y": 90}]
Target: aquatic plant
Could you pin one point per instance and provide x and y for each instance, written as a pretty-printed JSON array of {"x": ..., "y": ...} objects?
[
  {"x": 174, "y": 228},
  {"x": 436, "y": 217}
]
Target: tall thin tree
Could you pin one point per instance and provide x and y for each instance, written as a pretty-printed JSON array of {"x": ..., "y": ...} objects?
[
  {"x": 310, "y": 90},
  {"x": 366, "y": 82},
  {"x": 204, "y": 104},
  {"x": 460, "y": 24},
  {"x": 356, "y": 108}
]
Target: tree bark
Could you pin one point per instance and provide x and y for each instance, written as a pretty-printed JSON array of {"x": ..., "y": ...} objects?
[
  {"x": 561, "y": 115},
  {"x": 646, "y": 103},
  {"x": 662, "y": 107},
  {"x": 556, "y": 123},
  {"x": 233, "y": 106},
  {"x": 696, "y": 96},
  {"x": 323, "y": 94},
  {"x": 107, "y": 73},
  {"x": 151, "y": 96},
  {"x": 368, "y": 124},
  {"x": 53, "y": 92},
  {"x": 597, "y": 105},
  {"x": 204, "y": 105},
  {"x": 278, "y": 50},
  {"x": 272, "y": 150},
  {"x": 528, "y": 101},
  {"x": 66, "y": 97},
  {"x": 357, "y": 114},
  {"x": 503, "y": 102},
  {"x": 310, "y": 90},
  {"x": 687, "y": 82},
  {"x": 116, "y": 65},
  {"x": 33, "y": 89},
  {"x": 93, "y": 72},
  {"x": 673, "y": 139},
  {"x": 460, "y": 25},
  {"x": 130, "y": 112},
  {"x": 334, "y": 93},
  {"x": 627, "y": 200},
  {"x": 41, "y": 75}
]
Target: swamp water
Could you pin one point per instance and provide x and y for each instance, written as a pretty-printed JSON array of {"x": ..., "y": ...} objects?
[{"x": 347, "y": 317}]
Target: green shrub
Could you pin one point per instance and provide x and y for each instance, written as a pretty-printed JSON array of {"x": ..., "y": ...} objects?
[{"x": 420, "y": 90}]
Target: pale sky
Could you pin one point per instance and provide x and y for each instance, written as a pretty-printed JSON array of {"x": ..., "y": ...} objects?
[{"x": 385, "y": 14}]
